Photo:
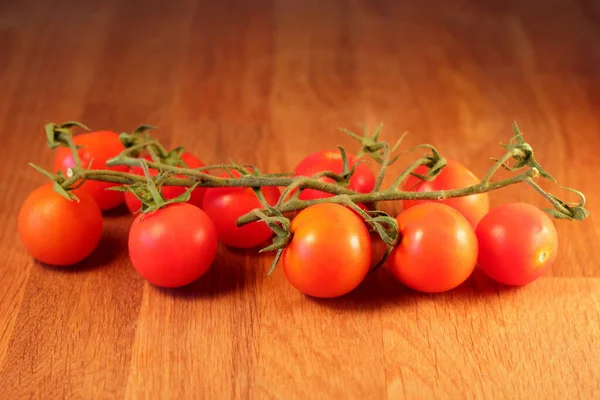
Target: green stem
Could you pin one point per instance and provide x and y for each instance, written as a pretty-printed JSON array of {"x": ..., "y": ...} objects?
[
  {"x": 384, "y": 164},
  {"x": 500, "y": 163},
  {"x": 135, "y": 149},
  {"x": 371, "y": 145},
  {"x": 156, "y": 195},
  {"x": 411, "y": 168},
  {"x": 547, "y": 196},
  {"x": 68, "y": 138},
  {"x": 204, "y": 180},
  {"x": 391, "y": 194}
]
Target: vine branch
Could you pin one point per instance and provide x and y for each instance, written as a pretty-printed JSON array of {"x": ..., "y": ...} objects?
[{"x": 174, "y": 172}]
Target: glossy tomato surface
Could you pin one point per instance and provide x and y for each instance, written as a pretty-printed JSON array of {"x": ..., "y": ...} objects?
[
  {"x": 330, "y": 253},
  {"x": 518, "y": 243},
  {"x": 362, "y": 181},
  {"x": 225, "y": 205},
  {"x": 453, "y": 176},
  {"x": 172, "y": 246},
  {"x": 96, "y": 148},
  {"x": 438, "y": 248},
  {"x": 57, "y": 231},
  {"x": 168, "y": 192}
]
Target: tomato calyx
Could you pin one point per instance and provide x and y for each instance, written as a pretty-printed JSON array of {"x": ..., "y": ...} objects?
[
  {"x": 149, "y": 193},
  {"x": 61, "y": 135},
  {"x": 522, "y": 152},
  {"x": 387, "y": 229},
  {"x": 57, "y": 180},
  {"x": 139, "y": 141},
  {"x": 371, "y": 145},
  {"x": 280, "y": 225},
  {"x": 564, "y": 210},
  {"x": 347, "y": 170},
  {"x": 434, "y": 163},
  {"x": 136, "y": 141}
]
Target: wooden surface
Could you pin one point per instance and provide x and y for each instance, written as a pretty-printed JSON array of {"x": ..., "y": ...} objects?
[{"x": 266, "y": 82}]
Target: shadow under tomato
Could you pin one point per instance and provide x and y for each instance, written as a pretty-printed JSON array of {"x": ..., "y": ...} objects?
[
  {"x": 107, "y": 251},
  {"x": 252, "y": 251},
  {"x": 229, "y": 272},
  {"x": 379, "y": 290},
  {"x": 480, "y": 285},
  {"x": 118, "y": 211},
  {"x": 382, "y": 290}
]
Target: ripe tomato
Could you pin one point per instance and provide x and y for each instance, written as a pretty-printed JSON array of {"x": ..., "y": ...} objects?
[
  {"x": 437, "y": 251},
  {"x": 172, "y": 246},
  {"x": 453, "y": 176},
  {"x": 57, "y": 231},
  {"x": 168, "y": 192},
  {"x": 225, "y": 205},
  {"x": 517, "y": 243},
  {"x": 362, "y": 181},
  {"x": 330, "y": 251},
  {"x": 97, "y": 148},
  {"x": 378, "y": 249}
]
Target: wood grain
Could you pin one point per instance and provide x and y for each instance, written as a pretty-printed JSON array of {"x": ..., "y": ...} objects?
[{"x": 266, "y": 82}]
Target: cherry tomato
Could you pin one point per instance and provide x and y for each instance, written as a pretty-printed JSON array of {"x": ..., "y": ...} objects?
[
  {"x": 330, "y": 252},
  {"x": 517, "y": 243},
  {"x": 172, "y": 246},
  {"x": 362, "y": 181},
  {"x": 437, "y": 251},
  {"x": 97, "y": 148},
  {"x": 378, "y": 249},
  {"x": 168, "y": 192},
  {"x": 453, "y": 176},
  {"x": 225, "y": 205},
  {"x": 57, "y": 231}
]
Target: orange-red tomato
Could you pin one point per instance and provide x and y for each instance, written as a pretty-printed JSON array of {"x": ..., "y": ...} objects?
[
  {"x": 57, "y": 231},
  {"x": 97, "y": 148},
  {"x": 453, "y": 176},
  {"x": 438, "y": 248},
  {"x": 518, "y": 243},
  {"x": 378, "y": 249},
  {"x": 330, "y": 251},
  {"x": 168, "y": 192},
  {"x": 172, "y": 246},
  {"x": 363, "y": 179},
  {"x": 225, "y": 205}
]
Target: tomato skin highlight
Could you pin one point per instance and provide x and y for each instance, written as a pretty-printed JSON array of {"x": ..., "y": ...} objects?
[
  {"x": 453, "y": 176},
  {"x": 438, "y": 248},
  {"x": 225, "y": 205},
  {"x": 362, "y": 181},
  {"x": 518, "y": 243},
  {"x": 98, "y": 147},
  {"x": 330, "y": 252},
  {"x": 168, "y": 192},
  {"x": 172, "y": 246},
  {"x": 56, "y": 231}
]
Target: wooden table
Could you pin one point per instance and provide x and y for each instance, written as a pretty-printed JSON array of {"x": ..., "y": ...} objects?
[{"x": 267, "y": 82}]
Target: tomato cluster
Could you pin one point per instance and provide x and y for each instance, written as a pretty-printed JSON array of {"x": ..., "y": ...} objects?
[{"x": 331, "y": 250}]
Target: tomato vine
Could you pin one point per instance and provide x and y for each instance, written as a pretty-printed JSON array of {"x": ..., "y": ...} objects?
[{"x": 141, "y": 150}]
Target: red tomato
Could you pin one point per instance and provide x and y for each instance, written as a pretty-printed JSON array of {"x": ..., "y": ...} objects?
[
  {"x": 517, "y": 243},
  {"x": 172, "y": 246},
  {"x": 58, "y": 231},
  {"x": 362, "y": 181},
  {"x": 168, "y": 192},
  {"x": 437, "y": 251},
  {"x": 225, "y": 205},
  {"x": 453, "y": 176},
  {"x": 97, "y": 148},
  {"x": 330, "y": 252},
  {"x": 378, "y": 249}
]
